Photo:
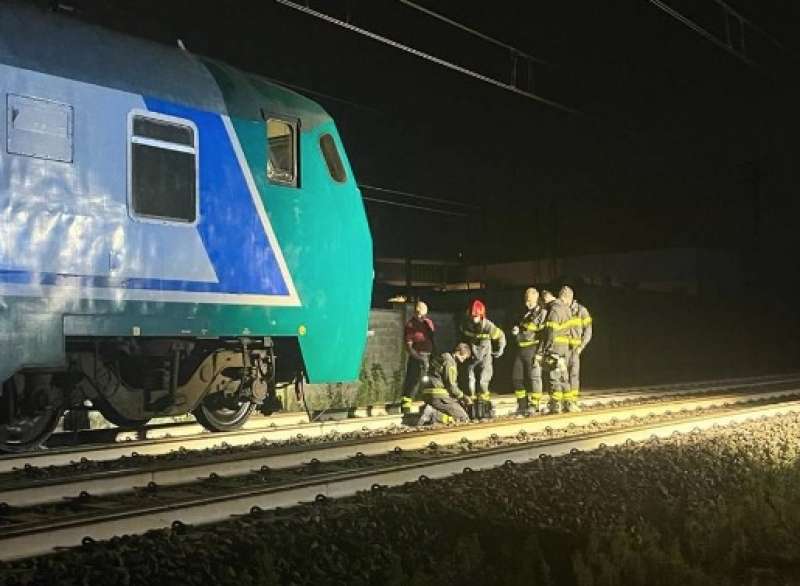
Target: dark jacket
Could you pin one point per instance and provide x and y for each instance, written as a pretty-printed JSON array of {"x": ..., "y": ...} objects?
[
  {"x": 480, "y": 337},
  {"x": 442, "y": 379},
  {"x": 580, "y": 326},
  {"x": 530, "y": 325},
  {"x": 555, "y": 335}
]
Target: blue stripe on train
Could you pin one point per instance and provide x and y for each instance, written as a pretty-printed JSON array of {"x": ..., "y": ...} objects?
[{"x": 229, "y": 224}]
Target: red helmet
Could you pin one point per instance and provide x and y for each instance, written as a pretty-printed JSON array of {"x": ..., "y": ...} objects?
[{"x": 477, "y": 308}]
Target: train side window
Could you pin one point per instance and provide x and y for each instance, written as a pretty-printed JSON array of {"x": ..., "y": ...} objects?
[
  {"x": 332, "y": 158},
  {"x": 163, "y": 168},
  {"x": 281, "y": 152},
  {"x": 39, "y": 128}
]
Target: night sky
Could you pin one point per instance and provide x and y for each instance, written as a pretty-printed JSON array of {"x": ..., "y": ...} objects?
[{"x": 678, "y": 143}]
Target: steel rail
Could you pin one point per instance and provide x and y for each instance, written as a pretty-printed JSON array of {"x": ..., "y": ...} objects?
[
  {"x": 22, "y": 492},
  {"x": 31, "y": 540},
  {"x": 164, "y": 445}
]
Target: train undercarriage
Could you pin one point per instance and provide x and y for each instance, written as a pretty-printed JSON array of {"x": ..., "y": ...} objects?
[{"x": 133, "y": 380}]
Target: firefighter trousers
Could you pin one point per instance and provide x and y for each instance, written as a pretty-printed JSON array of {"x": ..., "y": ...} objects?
[
  {"x": 556, "y": 377},
  {"x": 526, "y": 375},
  {"x": 574, "y": 372},
  {"x": 481, "y": 370},
  {"x": 442, "y": 410}
]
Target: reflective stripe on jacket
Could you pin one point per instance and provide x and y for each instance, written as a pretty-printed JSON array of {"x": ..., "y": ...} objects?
[
  {"x": 442, "y": 376},
  {"x": 580, "y": 326},
  {"x": 530, "y": 325},
  {"x": 555, "y": 335},
  {"x": 480, "y": 337}
]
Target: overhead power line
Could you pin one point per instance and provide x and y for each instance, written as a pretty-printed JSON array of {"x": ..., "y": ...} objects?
[
  {"x": 735, "y": 39},
  {"x": 427, "y": 56},
  {"x": 473, "y": 32}
]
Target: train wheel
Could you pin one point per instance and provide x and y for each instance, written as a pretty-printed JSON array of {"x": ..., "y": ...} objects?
[
  {"x": 30, "y": 409},
  {"x": 220, "y": 413}
]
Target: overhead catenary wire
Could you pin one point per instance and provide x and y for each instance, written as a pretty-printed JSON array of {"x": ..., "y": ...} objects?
[
  {"x": 473, "y": 32},
  {"x": 702, "y": 31},
  {"x": 419, "y": 197},
  {"x": 426, "y": 56},
  {"x": 415, "y": 207}
]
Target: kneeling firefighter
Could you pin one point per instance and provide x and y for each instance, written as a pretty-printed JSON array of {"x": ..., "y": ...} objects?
[
  {"x": 554, "y": 349},
  {"x": 440, "y": 388},
  {"x": 481, "y": 335}
]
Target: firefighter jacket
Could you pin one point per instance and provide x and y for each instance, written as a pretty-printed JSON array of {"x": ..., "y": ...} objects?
[
  {"x": 480, "y": 337},
  {"x": 442, "y": 378},
  {"x": 555, "y": 335},
  {"x": 530, "y": 326},
  {"x": 580, "y": 326}
]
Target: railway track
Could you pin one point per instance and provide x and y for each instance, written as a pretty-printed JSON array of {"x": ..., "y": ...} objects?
[
  {"x": 233, "y": 485},
  {"x": 265, "y": 431}
]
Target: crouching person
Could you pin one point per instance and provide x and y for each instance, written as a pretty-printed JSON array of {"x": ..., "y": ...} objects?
[{"x": 440, "y": 388}]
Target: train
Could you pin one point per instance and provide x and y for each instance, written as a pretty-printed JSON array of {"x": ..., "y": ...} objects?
[{"x": 176, "y": 235}]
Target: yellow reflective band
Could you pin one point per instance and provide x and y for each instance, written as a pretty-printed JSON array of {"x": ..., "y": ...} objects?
[
  {"x": 484, "y": 396},
  {"x": 519, "y": 394},
  {"x": 587, "y": 320},
  {"x": 571, "y": 395},
  {"x": 531, "y": 327},
  {"x": 435, "y": 392},
  {"x": 525, "y": 344},
  {"x": 557, "y": 396},
  {"x": 535, "y": 396},
  {"x": 496, "y": 334},
  {"x": 482, "y": 336},
  {"x": 575, "y": 341},
  {"x": 561, "y": 340},
  {"x": 468, "y": 333},
  {"x": 406, "y": 400}
]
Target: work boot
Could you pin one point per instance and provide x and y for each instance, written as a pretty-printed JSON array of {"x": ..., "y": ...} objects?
[
  {"x": 523, "y": 408},
  {"x": 406, "y": 404},
  {"x": 572, "y": 407},
  {"x": 554, "y": 407}
]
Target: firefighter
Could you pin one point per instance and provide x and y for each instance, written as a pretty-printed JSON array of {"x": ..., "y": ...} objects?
[
  {"x": 440, "y": 388},
  {"x": 526, "y": 375},
  {"x": 486, "y": 342},
  {"x": 419, "y": 343},
  {"x": 554, "y": 348},
  {"x": 580, "y": 334}
]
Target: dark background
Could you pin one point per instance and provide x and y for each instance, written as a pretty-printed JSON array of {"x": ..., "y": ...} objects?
[{"x": 678, "y": 143}]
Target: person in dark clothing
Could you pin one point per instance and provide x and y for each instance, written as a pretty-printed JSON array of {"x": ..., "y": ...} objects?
[
  {"x": 554, "y": 348},
  {"x": 486, "y": 342},
  {"x": 419, "y": 343},
  {"x": 526, "y": 375},
  {"x": 580, "y": 334},
  {"x": 440, "y": 388}
]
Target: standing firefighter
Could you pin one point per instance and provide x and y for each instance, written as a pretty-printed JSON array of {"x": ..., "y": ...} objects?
[
  {"x": 580, "y": 334},
  {"x": 526, "y": 375},
  {"x": 481, "y": 335},
  {"x": 554, "y": 348},
  {"x": 440, "y": 388},
  {"x": 419, "y": 342}
]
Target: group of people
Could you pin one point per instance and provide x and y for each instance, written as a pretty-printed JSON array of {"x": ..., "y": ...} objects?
[{"x": 550, "y": 336}]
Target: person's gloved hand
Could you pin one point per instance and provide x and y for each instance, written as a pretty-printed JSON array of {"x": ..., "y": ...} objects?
[
  {"x": 515, "y": 330},
  {"x": 497, "y": 354}
]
